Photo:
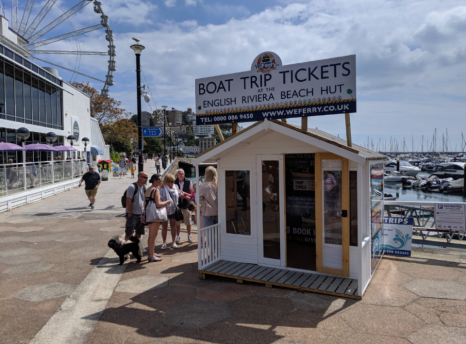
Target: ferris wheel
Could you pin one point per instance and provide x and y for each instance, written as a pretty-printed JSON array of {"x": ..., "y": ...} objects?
[{"x": 38, "y": 35}]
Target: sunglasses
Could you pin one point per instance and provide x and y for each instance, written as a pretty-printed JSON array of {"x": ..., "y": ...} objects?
[
  {"x": 171, "y": 181},
  {"x": 144, "y": 177}
]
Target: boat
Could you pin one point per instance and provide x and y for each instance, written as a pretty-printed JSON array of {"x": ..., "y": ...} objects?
[
  {"x": 405, "y": 168},
  {"x": 452, "y": 187}
]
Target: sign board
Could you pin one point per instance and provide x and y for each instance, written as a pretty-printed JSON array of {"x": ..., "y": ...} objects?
[
  {"x": 303, "y": 185},
  {"x": 398, "y": 236},
  {"x": 450, "y": 216},
  {"x": 271, "y": 90},
  {"x": 152, "y": 131},
  {"x": 75, "y": 127}
]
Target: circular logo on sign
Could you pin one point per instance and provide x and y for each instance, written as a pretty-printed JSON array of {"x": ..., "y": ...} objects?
[
  {"x": 76, "y": 130},
  {"x": 266, "y": 62}
]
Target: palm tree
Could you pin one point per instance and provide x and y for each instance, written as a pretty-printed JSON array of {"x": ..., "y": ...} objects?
[{"x": 350, "y": 91}]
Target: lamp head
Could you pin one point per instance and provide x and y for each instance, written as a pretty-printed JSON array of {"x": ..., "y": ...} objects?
[
  {"x": 51, "y": 137},
  {"x": 22, "y": 134},
  {"x": 85, "y": 140},
  {"x": 164, "y": 107},
  {"x": 138, "y": 48},
  {"x": 71, "y": 139}
]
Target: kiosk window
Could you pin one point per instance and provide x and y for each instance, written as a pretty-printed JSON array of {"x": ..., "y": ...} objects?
[
  {"x": 238, "y": 212},
  {"x": 353, "y": 184}
]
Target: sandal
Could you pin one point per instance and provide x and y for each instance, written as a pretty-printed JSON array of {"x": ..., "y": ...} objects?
[{"x": 154, "y": 259}]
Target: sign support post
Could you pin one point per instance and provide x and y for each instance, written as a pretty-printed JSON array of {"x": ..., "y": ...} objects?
[
  {"x": 348, "y": 130},
  {"x": 219, "y": 132},
  {"x": 234, "y": 128},
  {"x": 304, "y": 124}
]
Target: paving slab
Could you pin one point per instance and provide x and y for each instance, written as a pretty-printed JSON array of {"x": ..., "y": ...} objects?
[
  {"x": 27, "y": 229},
  {"x": 320, "y": 303},
  {"x": 382, "y": 320},
  {"x": 437, "y": 289},
  {"x": 19, "y": 220},
  {"x": 5, "y": 240},
  {"x": 141, "y": 284},
  {"x": 27, "y": 269},
  {"x": 20, "y": 259},
  {"x": 443, "y": 305},
  {"x": 57, "y": 229},
  {"x": 191, "y": 257},
  {"x": 424, "y": 313},
  {"x": 40, "y": 238},
  {"x": 47, "y": 291},
  {"x": 388, "y": 295},
  {"x": 73, "y": 238},
  {"x": 197, "y": 313},
  {"x": 434, "y": 334},
  {"x": 112, "y": 229},
  {"x": 95, "y": 221},
  {"x": 94, "y": 250},
  {"x": 17, "y": 252}
]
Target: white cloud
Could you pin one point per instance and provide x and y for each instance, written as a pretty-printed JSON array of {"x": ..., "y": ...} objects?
[
  {"x": 411, "y": 62},
  {"x": 190, "y": 2},
  {"x": 170, "y": 3}
]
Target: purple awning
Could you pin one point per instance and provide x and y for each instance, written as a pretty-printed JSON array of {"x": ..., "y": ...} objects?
[
  {"x": 64, "y": 148},
  {"x": 40, "y": 147},
  {"x": 5, "y": 146}
]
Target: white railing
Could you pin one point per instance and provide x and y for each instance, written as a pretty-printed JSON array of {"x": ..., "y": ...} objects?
[
  {"x": 20, "y": 177},
  {"x": 423, "y": 217},
  {"x": 208, "y": 241}
]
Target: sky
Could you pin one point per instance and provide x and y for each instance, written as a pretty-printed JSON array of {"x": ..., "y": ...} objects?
[{"x": 411, "y": 55}]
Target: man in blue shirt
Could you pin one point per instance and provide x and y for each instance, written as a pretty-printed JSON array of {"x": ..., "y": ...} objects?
[{"x": 92, "y": 180}]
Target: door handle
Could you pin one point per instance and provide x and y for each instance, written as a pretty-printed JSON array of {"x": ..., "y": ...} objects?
[{"x": 344, "y": 213}]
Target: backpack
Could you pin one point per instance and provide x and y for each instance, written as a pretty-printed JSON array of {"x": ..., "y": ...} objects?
[{"x": 123, "y": 198}]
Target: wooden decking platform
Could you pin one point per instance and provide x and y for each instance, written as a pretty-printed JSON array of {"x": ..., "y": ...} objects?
[{"x": 316, "y": 283}]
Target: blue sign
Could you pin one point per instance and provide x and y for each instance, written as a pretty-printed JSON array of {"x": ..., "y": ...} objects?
[
  {"x": 152, "y": 132},
  {"x": 398, "y": 235}
]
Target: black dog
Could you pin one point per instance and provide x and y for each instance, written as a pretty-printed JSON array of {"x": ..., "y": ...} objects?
[{"x": 121, "y": 248}]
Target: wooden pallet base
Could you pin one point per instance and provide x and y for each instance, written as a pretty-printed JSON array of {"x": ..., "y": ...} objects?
[{"x": 269, "y": 276}]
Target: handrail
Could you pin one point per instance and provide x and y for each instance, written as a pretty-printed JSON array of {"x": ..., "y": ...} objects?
[
  {"x": 427, "y": 204},
  {"x": 169, "y": 167},
  {"x": 208, "y": 245}
]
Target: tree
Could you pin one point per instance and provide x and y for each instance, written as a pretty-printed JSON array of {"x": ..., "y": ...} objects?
[
  {"x": 120, "y": 134},
  {"x": 104, "y": 110},
  {"x": 349, "y": 91},
  {"x": 153, "y": 145}
]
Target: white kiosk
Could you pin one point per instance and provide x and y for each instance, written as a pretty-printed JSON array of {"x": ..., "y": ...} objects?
[
  {"x": 298, "y": 207},
  {"x": 282, "y": 220}
]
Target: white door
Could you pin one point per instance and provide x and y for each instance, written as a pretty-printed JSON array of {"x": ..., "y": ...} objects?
[{"x": 271, "y": 224}]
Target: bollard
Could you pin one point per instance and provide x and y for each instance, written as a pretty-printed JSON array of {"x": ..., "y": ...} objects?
[{"x": 398, "y": 165}]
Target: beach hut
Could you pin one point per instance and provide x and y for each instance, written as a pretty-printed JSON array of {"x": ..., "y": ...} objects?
[{"x": 297, "y": 209}]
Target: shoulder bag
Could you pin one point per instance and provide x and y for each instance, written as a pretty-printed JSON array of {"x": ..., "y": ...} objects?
[
  {"x": 178, "y": 213},
  {"x": 154, "y": 214}
]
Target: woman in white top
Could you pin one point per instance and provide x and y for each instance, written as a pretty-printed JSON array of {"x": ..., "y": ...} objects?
[
  {"x": 153, "y": 195},
  {"x": 157, "y": 164},
  {"x": 208, "y": 202},
  {"x": 169, "y": 191}
]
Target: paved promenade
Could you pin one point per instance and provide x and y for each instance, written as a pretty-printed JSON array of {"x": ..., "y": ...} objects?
[{"x": 61, "y": 284}]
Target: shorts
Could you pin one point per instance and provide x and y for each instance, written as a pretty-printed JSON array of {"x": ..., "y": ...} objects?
[
  {"x": 134, "y": 223},
  {"x": 186, "y": 218},
  {"x": 172, "y": 217},
  {"x": 92, "y": 192},
  {"x": 122, "y": 170}
]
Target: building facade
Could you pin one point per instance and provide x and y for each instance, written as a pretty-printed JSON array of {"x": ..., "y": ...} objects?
[
  {"x": 206, "y": 142},
  {"x": 175, "y": 117},
  {"x": 203, "y": 130}
]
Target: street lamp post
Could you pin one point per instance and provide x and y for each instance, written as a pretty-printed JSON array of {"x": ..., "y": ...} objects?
[
  {"x": 164, "y": 107},
  {"x": 138, "y": 48}
]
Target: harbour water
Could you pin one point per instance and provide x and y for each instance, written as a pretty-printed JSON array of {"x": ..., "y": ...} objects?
[{"x": 414, "y": 195}]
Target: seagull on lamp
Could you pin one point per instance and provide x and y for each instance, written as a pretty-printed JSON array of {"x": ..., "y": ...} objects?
[{"x": 137, "y": 39}]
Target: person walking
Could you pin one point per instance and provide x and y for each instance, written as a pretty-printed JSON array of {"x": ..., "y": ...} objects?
[
  {"x": 122, "y": 164},
  {"x": 170, "y": 191},
  {"x": 186, "y": 188},
  {"x": 135, "y": 205},
  {"x": 153, "y": 199},
  {"x": 92, "y": 181},
  {"x": 208, "y": 201},
  {"x": 157, "y": 164}
]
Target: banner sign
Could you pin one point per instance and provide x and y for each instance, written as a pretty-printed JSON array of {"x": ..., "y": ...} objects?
[
  {"x": 152, "y": 131},
  {"x": 450, "y": 216},
  {"x": 398, "y": 235},
  {"x": 271, "y": 90}
]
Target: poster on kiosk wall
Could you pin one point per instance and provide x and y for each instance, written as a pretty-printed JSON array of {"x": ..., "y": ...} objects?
[
  {"x": 272, "y": 90},
  {"x": 398, "y": 235}
]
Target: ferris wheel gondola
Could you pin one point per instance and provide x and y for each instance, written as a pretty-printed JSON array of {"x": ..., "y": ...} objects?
[{"x": 36, "y": 36}]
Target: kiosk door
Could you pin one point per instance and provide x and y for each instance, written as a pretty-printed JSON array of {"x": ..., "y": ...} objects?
[
  {"x": 332, "y": 214},
  {"x": 271, "y": 218}
]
